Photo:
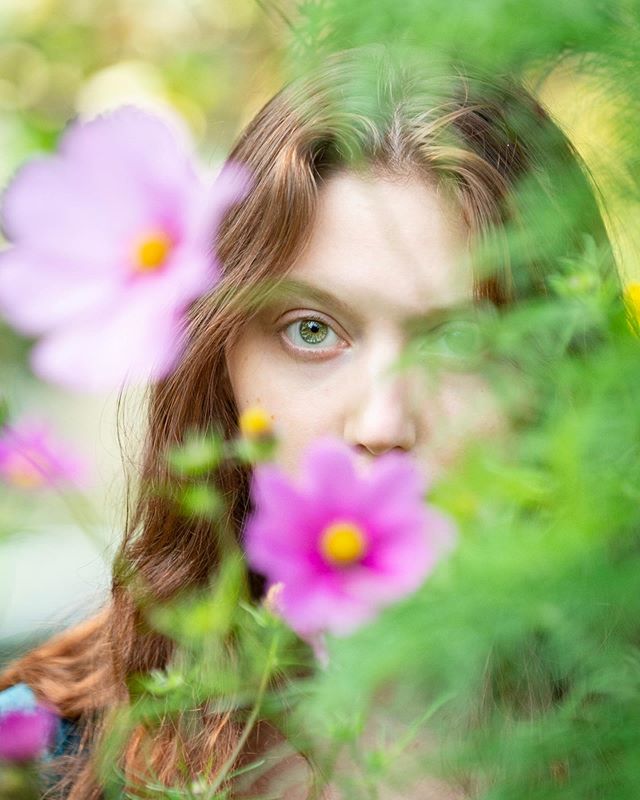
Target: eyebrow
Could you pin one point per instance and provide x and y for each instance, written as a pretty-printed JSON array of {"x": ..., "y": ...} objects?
[{"x": 291, "y": 289}]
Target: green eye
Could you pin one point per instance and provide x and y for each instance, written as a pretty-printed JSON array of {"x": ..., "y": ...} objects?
[
  {"x": 309, "y": 332},
  {"x": 460, "y": 338},
  {"x": 457, "y": 339},
  {"x": 312, "y": 331}
]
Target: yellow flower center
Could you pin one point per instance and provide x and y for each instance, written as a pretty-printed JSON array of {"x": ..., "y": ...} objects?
[
  {"x": 255, "y": 423},
  {"x": 343, "y": 543},
  {"x": 152, "y": 252}
]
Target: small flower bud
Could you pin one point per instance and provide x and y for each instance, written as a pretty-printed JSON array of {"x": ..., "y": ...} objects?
[
  {"x": 25, "y": 735},
  {"x": 272, "y": 598},
  {"x": 256, "y": 424}
]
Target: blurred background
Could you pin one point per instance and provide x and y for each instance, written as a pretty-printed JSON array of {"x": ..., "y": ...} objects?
[{"x": 215, "y": 62}]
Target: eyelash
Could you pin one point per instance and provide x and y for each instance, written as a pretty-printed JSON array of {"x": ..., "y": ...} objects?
[{"x": 311, "y": 351}]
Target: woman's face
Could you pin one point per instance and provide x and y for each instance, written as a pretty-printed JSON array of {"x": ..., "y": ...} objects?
[{"x": 386, "y": 258}]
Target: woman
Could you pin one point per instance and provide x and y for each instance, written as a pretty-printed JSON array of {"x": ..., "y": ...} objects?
[{"x": 372, "y": 186}]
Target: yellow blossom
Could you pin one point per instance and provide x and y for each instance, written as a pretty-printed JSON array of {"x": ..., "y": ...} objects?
[{"x": 256, "y": 424}]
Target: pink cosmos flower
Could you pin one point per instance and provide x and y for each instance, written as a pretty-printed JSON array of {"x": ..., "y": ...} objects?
[
  {"x": 343, "y": 541},
  {"x": 25, "y": 735},
  {"x": 112, "y": 239},
  {"x": 31, "y": 457}
]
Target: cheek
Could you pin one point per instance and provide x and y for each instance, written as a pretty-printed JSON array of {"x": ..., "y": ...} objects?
[
  {"x": 305, "y": 400},
  {"x": 469, "y": 401},
  {"x": 465, "y": 410}
]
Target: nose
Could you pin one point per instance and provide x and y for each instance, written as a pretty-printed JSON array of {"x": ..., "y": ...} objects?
[{"x": 383, "y": 418}]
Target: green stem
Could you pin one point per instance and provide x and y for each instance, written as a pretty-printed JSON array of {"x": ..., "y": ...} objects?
[{"x": 251, "y": 721}]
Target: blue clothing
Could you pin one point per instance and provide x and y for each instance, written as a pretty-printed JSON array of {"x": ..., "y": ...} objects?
[{"x": 21, "y": 698}]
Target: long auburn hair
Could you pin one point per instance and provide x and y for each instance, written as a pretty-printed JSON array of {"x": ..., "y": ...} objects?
[{"x": 480, "y": 139}]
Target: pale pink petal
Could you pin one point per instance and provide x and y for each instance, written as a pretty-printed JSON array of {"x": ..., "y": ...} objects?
[
  {"x": 131, "y": 150},
  {"x": 188, "y": 274},
  {"x": 77, "y": 220},
  {"x": 132, "y": 343},
  {"x": 37, "y": 294},
  {"x": 138, "y": 143},
  {"x": 81, "y": 215},
  {"x": 230, "y": 186},
  {"x": 192, "y": 269}
]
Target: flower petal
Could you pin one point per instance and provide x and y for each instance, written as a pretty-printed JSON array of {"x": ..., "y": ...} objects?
[
  {"x": 32, "y": 456},
  {"x": 330, "y": 475},
  {"x": 131, "y": 343},
  {"x": 82, "y": 215},
  {"x": 280, "y": 540},
  {"x": 404, "y": 537},
  {"x": 29, "y": 284},
  {"x": 313, "y": 607},
  {"x": 25, "y": 735},
  {"x": 395, "y": 478},
  {"x": 138, "y": 143}
]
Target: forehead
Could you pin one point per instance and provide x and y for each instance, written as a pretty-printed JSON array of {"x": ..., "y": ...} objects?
[{"x": 393, "y": 246}]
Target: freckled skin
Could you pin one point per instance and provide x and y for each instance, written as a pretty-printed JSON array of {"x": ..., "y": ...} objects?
[{"x": 390, "y": 250}]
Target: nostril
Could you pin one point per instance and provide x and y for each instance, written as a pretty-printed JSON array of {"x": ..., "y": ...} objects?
[
  {"x": 381, "y": 420},
  {"x": 366, "y": 453}
]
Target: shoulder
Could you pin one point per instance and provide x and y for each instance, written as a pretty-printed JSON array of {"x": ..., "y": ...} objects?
[{"x": 21, "y": 697}]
